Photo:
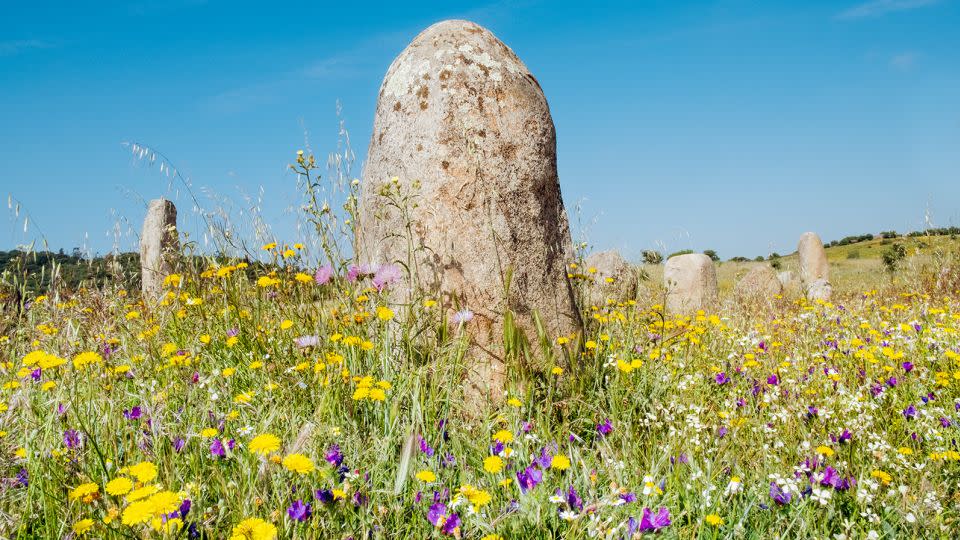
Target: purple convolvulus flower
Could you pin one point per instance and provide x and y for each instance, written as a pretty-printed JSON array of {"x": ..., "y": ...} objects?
[
  {"x": 133, "y": 414},
  {"x": 36, "y": 374},
  {"x": 546, "y": 457},
  {"x": 529, "y": 478},
  {"x": 628, "y": 497},
  {"x": 233, "y": 332},
  {"x": 324, "y": 274},
  {"x": 910, "y": 412},
  {"x": 945, "y": 422},
  {"x": 773, "y": 380},
  {"x": 217, "y": 449},
  {"x": 778, "y": 495},
  {"x": 654, "y": 522},
  {"x": 325, "y": 496},
  {"x": 184, "y": 508},
  {"x": 605, "y": 428},
  {"x": 299, "y": 511},
  {"x": 333, "y": 455},
  {"x": 892, "y": 382},
  {"x": 722, "y": 432},
  {"x": 907, "y": 366},
  {"x": 178, "y": 444},
  {"x": 721, "y": 378},
  {"x": 436, "y": 513}
]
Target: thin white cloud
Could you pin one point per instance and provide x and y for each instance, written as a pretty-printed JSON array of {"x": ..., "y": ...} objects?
[
  {"x": 876, "y": 8},
  {"x": 17, "y": 46},
  {"x": 903, "y": 61}
]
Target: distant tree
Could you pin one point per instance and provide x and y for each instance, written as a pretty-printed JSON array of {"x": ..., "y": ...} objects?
[
  {"x": 651, "y": 256},
  {"x": 712, "y": 254},
  {"x": 758, "y": 258},
  {"x": 681, "y": 252},
  {"x": 889, "y": 234},
  {"x": 739, "y": 259},
  {"x": 773, "y": 256},
  {"x": 893, "y": 257}
]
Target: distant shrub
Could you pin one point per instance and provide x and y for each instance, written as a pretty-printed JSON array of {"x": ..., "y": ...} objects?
[
  {"x": 739, "y": 259},
  {"x": 889, "y": 234},
  {"x": 681, "y": 252},
  {"x": 777, "y": 264},
  {"x": 712, "y": 254},
  {"x": 652, "y": 257}
]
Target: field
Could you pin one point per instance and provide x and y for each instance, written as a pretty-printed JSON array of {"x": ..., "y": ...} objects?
[{"x": 304, "y": 404}]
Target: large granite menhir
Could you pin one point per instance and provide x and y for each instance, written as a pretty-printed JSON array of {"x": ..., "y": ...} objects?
[
  {"x": 159, "y": 244},
  {"x": 463, "y": 126}
]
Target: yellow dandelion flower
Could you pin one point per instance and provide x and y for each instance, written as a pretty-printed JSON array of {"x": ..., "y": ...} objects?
[
  {"x": 298, "y": 463},
  {"x": 84, "y": 490},
  {"x": 119, "y": 486},
  {"x": 264, "y": 444},
  {"x": 493, "y": 464},
  {"x": 144, "y": 471},
  {"x": 560, "y": 462},
  {"x": 82, "y": 527},
  {"x": 426, "y": 476},
  {"x": 503, "y": 436}
]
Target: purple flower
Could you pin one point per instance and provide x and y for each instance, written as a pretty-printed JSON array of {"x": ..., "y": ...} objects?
[
  {"x": 233, "y": 332},
  {"x": 355, "y": 272},
  {"x": 437, "y": 513},
  {"x": 773, "y": 380},
  {"x": 71, "y": 438},
  {"x": 333, "y": 455},
  {"x": 945, "y": 422},
  {"x": 907, "y": 366},
  {"x": 324, "y": 274},
  {"x": 910, "y": 412},
  {"x": 178, "y": 444},
  {"x": 35, "y": 374},
  {"x": 650, "y": 522},
  {"x": 133, "y": 414},
  {"x": 462, "y": 316},
  {"x": 497, "y": 448},
  {"x": 451, "y": 525},
  {"x": 325, "y": 496},
  {"x": 845, "y": 436},
  {"x": 23, "y": 477},
  {"x": 722, "y": 432},
  {"x": 217, "y": 449},
  {"x": 299, "y": 511},
  {"x": 529, "y": 478},
  {"x": 546, "y": 457},
  {"x": 628, "y": 497},
  {"x": 385, "y": 275},
  {"x": 721, "y": 379},
  {"x": 605, "y": 428},
  {"x": 306, "y": 341},
  {"x": 892, "y": 382},
  {"x": 830, "y": 477},
  {"x": 573, "y": 500},
  {"x": 184, "y": 508},
  {"x": 424, "y": 447},
  {"x": 778, "y": 495}
]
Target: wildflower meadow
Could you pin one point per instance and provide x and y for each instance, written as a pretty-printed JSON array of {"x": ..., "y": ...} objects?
[{"x": 290, "y": 399}]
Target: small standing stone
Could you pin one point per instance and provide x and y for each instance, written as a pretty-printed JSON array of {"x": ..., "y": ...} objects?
[
  {"x": 691, "y": 283},
  {"x": 612, "y": 277},
  {"x": 159, "y": 244},
  {"x": 789, "y": 282},
  {"x": 819, "y": 290},
  {"x": 761, "y": 282},
  {"x": 813, "y": 266}
]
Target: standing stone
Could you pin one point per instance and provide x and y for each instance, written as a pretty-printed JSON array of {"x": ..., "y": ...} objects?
[
  {"x": 691, "y": 283},
  {"x": 760, "y": 283},
  {"x": 813, "y": 264},
  {"x": 463, "y": 129},
  {"x": 819, "y": 290},
  {"x": 612, "y": 277},
  {"x": 790, "y": 282},
  {"x": 159, "y": 244}
]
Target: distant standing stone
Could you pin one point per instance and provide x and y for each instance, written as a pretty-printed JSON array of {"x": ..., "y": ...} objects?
[
  {"x": 813, "y": 264},
  {"x": 463, "y": 129},
  {"x": 760, "y": 282},
  {"x": 612, "y": 277},
  {"x": 691, "y": 283},
  {"x": 819, "y": 290},
  {"x": 159, "y": 244},
  {"x": 790, "y": 282}
]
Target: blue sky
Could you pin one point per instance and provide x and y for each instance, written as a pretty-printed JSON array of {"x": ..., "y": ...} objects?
[{"x": 732, "y": 125}]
